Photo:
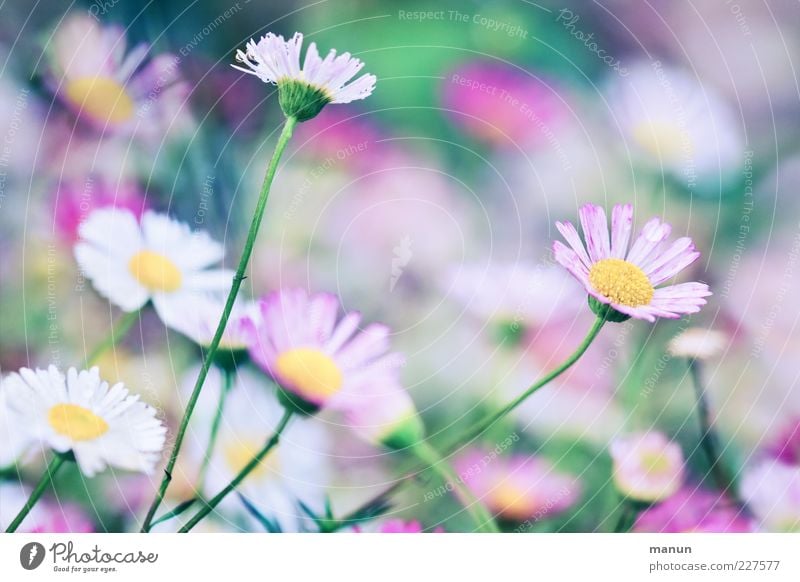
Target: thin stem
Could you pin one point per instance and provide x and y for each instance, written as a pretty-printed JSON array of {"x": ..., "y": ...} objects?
[
  {"x": 114, "y": 336},
  {"x": 208, "y": 506},
  {"x": 228, "y": 377},
  {"x": 471, "y": 434},
  {"x": 486, "y": 424},
  {"x": 708, "y": 438},
  {"x": 47, "y": 477},
  {"x": 627, "y": 516},
  {"x": 480, "y": 515},
  {"x": 244, "y": 261}
]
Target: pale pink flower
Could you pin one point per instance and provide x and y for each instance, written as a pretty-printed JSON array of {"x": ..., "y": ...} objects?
[
  {"x": 626, "y": 276},
  {"x": 647, "y": 466}
]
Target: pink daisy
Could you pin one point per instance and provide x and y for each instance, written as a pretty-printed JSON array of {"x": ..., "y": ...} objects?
[
  {"x": 692, "y": 510},
  {"x": 625, "y": 277},
  {"x": 314, "y": 357}
]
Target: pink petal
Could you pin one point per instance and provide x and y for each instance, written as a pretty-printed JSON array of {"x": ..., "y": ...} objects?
[
  {"x": 621, "y": 226},
  {"x": 595, "y": 231},
  {"x": 653, "y": 234},
  {"x": 570, "y": 234}
]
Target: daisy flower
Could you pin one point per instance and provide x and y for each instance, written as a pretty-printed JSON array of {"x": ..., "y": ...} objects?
[
  {"x": 384, "y": 414},
  {"x": 772, "y": 490},
  {"x": 101, "y": 425},
  {"x": 317, "y": 360},
  {"x": 626, "y": 278},
  {"x": 111, "y": 88},
  {"x": 693, "y": 510},
  {"x": 12, "y": 440},
  {"x": 296, "y": 471},
  {"x": 160, "y": 260},
  {"x": 698, "y": 344},
  {"x": 303, "y": 92},
  {"x": 647, "y": 466},
  {"x": 671, "y": 121},
  {"x": 517, "y": 487},
  {"x": 198, "y": 317}
]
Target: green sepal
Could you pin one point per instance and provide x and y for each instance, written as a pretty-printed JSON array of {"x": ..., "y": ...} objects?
[
  {"x": 296, "y": 404},
  {"x": 301, "y": 100},
  {"x": 606, "y": 312}
]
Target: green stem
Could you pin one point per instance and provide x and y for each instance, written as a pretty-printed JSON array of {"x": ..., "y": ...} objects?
[
  {"x": 49, "y": 473},
  {"x": 247, "y": 251},
  {"x": 627, "y": 516},
  {"x": 480, "y": 515},
  {"x": 208, "y": 506},
  {"x": 227, "y": 384},
  {"x": 486, "y": 424},
  {"x": 471, "y": 434},
  {"x": 114, "y": 336},
  {"x": 708, "y": 438}
]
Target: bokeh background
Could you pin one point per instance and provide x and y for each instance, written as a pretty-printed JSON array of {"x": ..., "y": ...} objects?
[{"x": 431, "y": 206}]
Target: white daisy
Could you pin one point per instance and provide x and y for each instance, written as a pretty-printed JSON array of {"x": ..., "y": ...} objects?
[
  {"x": 197, "y": 318},
  {"x": 296, "y": 470},
  {"x": 698, "y": 343},
  {"x": 101, "y": 425},
  {"x": 673, "y": 122},
  {"x": 12, "y": 439},
  {"x": 160, "y": 260},
  {"x": 303, "y": 92}
]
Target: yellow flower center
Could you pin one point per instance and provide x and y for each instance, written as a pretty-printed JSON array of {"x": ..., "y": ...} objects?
[
  {"x": 512, "y": 502},
  {"x": 239, "y": 453},
  {"x": 311, "y": 373},
  {"x": 663, "y": 140},
  {"x": 655, "y": 462},
  {"x": 102, "y": 98},
  {"x": 155, "y": 271},
  {"x": 76, "y": 422},
  {"x": 622, "y": 282}
]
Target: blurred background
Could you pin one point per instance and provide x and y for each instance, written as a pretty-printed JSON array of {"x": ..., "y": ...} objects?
[{"x": 431, "y": 206}]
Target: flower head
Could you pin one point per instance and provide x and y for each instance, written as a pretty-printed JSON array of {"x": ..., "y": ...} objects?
[
  {"x": 101, "y": 425},
  {"x": 197, "y": 318},
  {"x": 671, "y": 121},
  {"x": 296, "y": 471},
  {"x": 693, "y": 510},
  {"x": 383, "y": 413},
  {"x": 160, "y": 260},
  {"x": 317, "y": 360},
  {"x": 518, "y": 487},
  {"x": 647, "y": 466},
  {"x": 303, "y": 92},
  {"x": 772, "y": 490},
  {"x": 110, "y": 88},
  {"x": 625, "y": 279},
  {"x": 11, "y": 434},
  {"x": 698, "y": 344}
]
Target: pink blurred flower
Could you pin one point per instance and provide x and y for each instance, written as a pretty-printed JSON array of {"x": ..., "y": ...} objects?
[
  {"x": 400, "y": 526},
  {"x": 693, "y": 510},
  {"x": 772, "y": 490},
  {"x": 47, "y": 516},
  {"x": 786, "y": 447},
  {"x": 74, "y": 201},
  {"x": 647, "y": 466},
  {"x": 517, "y": 487},
  {"x": 110, "y": 88},
  {"x": 502, "y": 105}
]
